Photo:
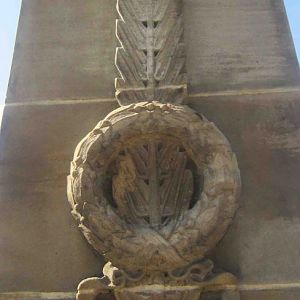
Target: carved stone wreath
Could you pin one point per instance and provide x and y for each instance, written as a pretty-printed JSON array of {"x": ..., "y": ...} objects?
[{"x": 154, "y": 187}]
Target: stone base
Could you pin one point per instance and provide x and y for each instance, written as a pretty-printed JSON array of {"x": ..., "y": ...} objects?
[
  {"x": 159, "y": 293},
  {"x": 100, "y": 289},
  {"x": 282, "y": 292},
  {"x": 94, "y": 289},
  {"x": 224, "y": 295}
]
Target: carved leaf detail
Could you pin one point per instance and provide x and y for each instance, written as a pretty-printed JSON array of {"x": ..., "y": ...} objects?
[
  {"x": 151, "y": 57},
  {"x": 121, "y": 166},
  {"x": 153, "y": 184}
]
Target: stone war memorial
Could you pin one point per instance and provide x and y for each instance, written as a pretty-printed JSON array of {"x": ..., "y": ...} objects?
[{"x": 150, "y": 150}]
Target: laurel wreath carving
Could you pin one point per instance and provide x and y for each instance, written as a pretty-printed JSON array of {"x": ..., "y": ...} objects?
[
  {"x": 151, "y": 56},
  {"x": 133, "y": 247}
]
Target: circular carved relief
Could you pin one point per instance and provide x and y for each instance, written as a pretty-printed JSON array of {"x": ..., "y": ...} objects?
[{"x": 154, "y": 187}]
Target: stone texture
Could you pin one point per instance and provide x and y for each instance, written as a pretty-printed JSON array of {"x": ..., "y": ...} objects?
[
  {"x": 261, "y": 247},
  {"x": 41, "y": 248},
  {"x": 225, "y": 295},
  {"x": 289, "y": 294},
  {"x": 163, "y": 294},
  {"x": 151, "y": 52},
  {"x": 38, "y": 296},
  {"x": 264, "y": 133},
  {"x": 149, "y": 196},
  {"x": 238, "y": 44},
  {"x": 65, "y": 49},
  {"x": 286, "y": 294}
]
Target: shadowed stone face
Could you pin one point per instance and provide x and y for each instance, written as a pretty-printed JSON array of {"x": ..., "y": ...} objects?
[{"x": 153, "y": 181}]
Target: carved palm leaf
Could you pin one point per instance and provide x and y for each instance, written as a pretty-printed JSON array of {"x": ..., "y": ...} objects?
[
  {"x": 151, "y": 58},
  {"x": 153, "y": 185}
]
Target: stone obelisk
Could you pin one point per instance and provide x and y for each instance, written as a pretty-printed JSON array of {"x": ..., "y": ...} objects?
[{"x": 242, "y": 74}]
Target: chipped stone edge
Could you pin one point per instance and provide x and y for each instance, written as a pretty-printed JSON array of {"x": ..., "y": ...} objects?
[{"x": 72, "y": 295}]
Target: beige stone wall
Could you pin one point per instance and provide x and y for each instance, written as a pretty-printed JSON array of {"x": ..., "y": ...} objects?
[
  {"x": 242, "y": 74},
  {"x": 65, "y": 48}
]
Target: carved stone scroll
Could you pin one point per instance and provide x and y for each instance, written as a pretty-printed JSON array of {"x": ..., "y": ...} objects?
[{"x": 151, "y": 56}]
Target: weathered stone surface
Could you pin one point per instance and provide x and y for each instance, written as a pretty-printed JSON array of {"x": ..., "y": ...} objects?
[
  {"x": 286, "y": 294},
  {"x": 57, "y": 57},
  {"x": 172, "y": 135},
  {"x": 36, "y": 228},
  {"x": 289, "y": 293},
  {"x": 264, "y": 133},
  {"x": 224, "y": 295},
  {"x": 38, "y": 296},
  {"x": 151, "y": 54},
  {"x": 65, "y": 49},
  {"x": 159, "y": 294},
  {"x": 37, "y": 144},
  {"x": 238, "y": 44}
]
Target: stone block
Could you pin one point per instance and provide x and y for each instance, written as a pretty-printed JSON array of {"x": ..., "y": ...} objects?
[
  {"x": 224, "y": 295},
  {"x": 262, "y": 246},
  {"x": 286, "y": 294},
  {"x": 41, "y": 247},
  {"x": 238, "y": 44},
  {"x": 65, "y": 49}
]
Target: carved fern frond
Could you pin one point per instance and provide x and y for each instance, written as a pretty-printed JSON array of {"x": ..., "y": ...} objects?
[{"x": 151, "y": 56}]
